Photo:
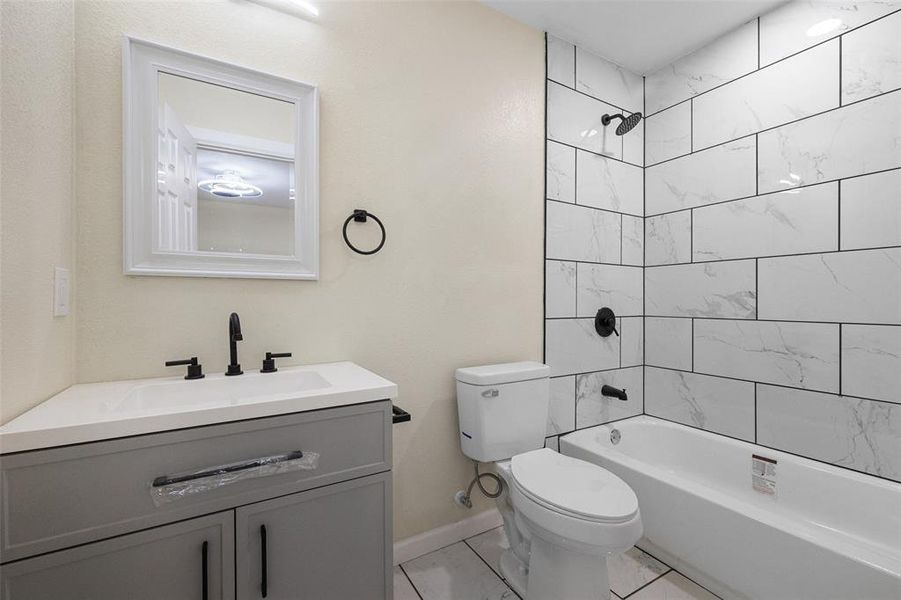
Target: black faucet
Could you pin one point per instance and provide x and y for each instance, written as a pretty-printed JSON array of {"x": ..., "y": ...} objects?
[
  {"x": 234, "y": 336},
  {"x": 608, "y": 390}
]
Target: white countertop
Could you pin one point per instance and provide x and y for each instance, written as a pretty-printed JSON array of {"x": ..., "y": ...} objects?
[{"x": 98, "y": 411}]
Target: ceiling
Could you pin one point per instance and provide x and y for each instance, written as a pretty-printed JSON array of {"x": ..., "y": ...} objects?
[
  {"x": 272, "y": 176},
  {"x": 640, "y": 35}
]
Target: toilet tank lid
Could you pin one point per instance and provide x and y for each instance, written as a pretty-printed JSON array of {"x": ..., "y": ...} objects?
[{"x": 503, "y": 373}]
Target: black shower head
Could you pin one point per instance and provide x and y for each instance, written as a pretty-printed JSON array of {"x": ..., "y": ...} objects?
[{"x": 627, "y": 124}]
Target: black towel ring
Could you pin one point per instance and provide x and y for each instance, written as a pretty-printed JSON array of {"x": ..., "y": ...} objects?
[{"x": 360, "y": 216}]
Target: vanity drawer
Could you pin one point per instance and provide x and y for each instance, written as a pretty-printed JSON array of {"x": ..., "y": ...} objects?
[{"x": 60, "y": 497}]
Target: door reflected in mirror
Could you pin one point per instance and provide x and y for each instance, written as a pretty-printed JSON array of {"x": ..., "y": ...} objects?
[{"x": 225, "y": 170}]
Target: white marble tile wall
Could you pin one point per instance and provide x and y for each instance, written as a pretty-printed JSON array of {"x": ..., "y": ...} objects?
[
  {"x": 575, "y": 119},
  {"x": 582, "y": 233},
  {"x": 668, "y": 134},
  {"x": 561, "y": 61},
  {"x": 712, "y": 403},
  {"x": 773, "y": 245},
  {"x": 561, "y": 414},
  {"x": 609, "y": 184},
  {"x": 593, "y": 409},
  {"x": 609, "y": 82},
  {"x": 731, "y": 56},
  {"x": 862, "y": 286},
  {"x": 717, "y": 174},
  {"x": 871, "y": 211},
  {"x": 559, "y": 289},
  {"x": 853, "y": 140},
  {"x": 723, "y": 289},
  {"x": 668, "y": 238},
  {"x": 802, "y": 355},
  {"x": 801, "y": 24},
  {"x": 791, "y": 222},
  {"x": 595, "y": 231},
  {"x": 669, "y": 342},
  {"x": 871, "y": 361},
  {"x": 871, "y": 59},
  {"x": 561, "y": 172},
  {"x": 807, "y": 84},
  {"x": 618, "y": 287},
  {"x": 860, "y": 434}
]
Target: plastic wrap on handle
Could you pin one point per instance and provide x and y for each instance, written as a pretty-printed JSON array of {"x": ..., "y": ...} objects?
[{"x": 169, "y": 488}]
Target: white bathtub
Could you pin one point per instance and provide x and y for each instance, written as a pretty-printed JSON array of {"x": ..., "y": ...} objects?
[{"x": 826, "y": 533}]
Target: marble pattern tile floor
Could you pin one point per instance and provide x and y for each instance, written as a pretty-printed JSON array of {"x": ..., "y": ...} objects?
[{"x": 468, "y": 570}]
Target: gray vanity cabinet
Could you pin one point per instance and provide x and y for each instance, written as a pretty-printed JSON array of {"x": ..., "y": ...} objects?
[
  {"x": 173, "y": 562},
  {"x": 328, "y": 543}
]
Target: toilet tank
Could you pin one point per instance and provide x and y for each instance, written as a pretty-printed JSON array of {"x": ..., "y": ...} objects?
[{"x": 502, "y": 409}]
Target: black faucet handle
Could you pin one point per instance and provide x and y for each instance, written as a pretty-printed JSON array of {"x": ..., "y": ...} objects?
[
  {"x": 195, "y": 369},
  {"x": 269, "y": 361}
]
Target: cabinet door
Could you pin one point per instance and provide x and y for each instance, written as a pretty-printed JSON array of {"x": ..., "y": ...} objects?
[
  {"x": 191, "y": 560},
  {"x": 334, "y": 543}
]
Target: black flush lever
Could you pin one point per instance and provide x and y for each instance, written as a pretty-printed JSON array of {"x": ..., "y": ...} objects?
[
  {"x": 269, "y": 361},
  {"x": 195, "y": 369},
  {"x": 605, "y": 322}
]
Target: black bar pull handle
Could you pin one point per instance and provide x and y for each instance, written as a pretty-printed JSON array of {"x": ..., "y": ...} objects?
[
  {"x": 204, "y": 552},
  {"x": 264, "y": 574},
  {"x": 399, "y": 415},
  {"x": 242, "y": 466}
]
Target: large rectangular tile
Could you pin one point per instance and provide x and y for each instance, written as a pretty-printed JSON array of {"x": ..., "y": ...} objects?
[
  {"x": 582, "y": 233},
  {"x": 723, "y": 289},
  {"x": 575, "y": 119},
  {"x": 863, "y": 286},
  {"x": 669, "y": 342},
  {"x": 573, "y": 346},
  {"x": 632, "y": 346},
  {"x": 490, "y": 545},
  {"x": 871, "y": 362},
  {"x": 561, "y": 61},
  {"x": 803, "y": 355},
  {"x": 730, "y": 56},
  {"x": 721, "y": 173},
  {"x": 592, "y": 408},
  {"x": 673, "y": 586},
  {"x": 790, "y": 222},
  {"x": 668, "y": 238},
  {"x": 632, "y": 570},
  {"x": 786, "y": 91},
  {"x": 560, "y": 289},
  {"x": 721, "y": 405},
  {"x": 561, "y": 413},
  {"x": 804, "y": 23},
  {"x": 854, "y": 140},
  {"x": 633, "y": 145},
  {"x": 455, "y": 572},
  {"x": 633, "y": 241},
  {"x": 609, "y": 184},
  {"x": 871, "y": 211},
  {"x": 608, "y": 82},
  {"x": 561, "y": 172},
  {"x": 620, "y": 288},
  {"x": 668, "y": 133},
  {"x": 403, "y": 589},
  {"x": 871, "y": 59},
  {"x": 860, "y": 434}
]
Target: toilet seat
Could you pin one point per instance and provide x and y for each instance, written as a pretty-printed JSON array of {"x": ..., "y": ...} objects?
[{"x": 573, "y": 487}]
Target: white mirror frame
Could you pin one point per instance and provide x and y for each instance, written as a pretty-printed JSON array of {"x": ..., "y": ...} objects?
[{"x": 142, "y": 63}]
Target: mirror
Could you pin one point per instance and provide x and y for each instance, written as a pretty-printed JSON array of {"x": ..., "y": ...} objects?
[{"x": 221, "y": 169}]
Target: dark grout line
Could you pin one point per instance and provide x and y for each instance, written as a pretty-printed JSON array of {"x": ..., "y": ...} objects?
[
  {"x": 592, "y": 152},
  {"x": 413, "y": 585},
  {"x": 769, "y": 256},
  {"x": 612, "y": 212}
]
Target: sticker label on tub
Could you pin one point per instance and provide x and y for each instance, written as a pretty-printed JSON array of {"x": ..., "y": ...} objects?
[{"x": 763, "y": 474}]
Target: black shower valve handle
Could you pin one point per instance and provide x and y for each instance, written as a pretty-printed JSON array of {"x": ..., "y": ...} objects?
[{"x": 605, "y": 322}]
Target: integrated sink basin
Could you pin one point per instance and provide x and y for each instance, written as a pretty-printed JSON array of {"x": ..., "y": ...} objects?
[
  {"x": 96, "y": 411},
  {"x": 250, "y": 387}
]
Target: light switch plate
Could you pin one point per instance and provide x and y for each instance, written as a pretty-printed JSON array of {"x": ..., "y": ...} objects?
[{"x": 61, "y": 292}]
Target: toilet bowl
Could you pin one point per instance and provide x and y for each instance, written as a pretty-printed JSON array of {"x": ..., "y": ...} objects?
[{"x": 562, "y": 516}]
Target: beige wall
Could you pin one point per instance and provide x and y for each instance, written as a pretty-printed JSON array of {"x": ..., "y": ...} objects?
[
  {"x": 37, "y": 350},
  {"x": 432, "y": 118}
]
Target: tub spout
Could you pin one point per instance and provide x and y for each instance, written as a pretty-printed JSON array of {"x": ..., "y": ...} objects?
[{"x": 609, "y": 390}]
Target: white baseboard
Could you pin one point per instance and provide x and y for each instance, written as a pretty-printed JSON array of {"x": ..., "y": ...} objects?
[{"x": 429, "y": 541}]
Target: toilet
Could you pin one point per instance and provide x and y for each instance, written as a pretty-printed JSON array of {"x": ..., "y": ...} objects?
[{"x": 562, "y": 516}]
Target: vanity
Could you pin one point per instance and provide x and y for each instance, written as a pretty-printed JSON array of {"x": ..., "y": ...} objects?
[{"x": 270, "y": 485}]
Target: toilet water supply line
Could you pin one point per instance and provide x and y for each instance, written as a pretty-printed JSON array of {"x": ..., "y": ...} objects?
[{"x": 465, "y": 498}]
